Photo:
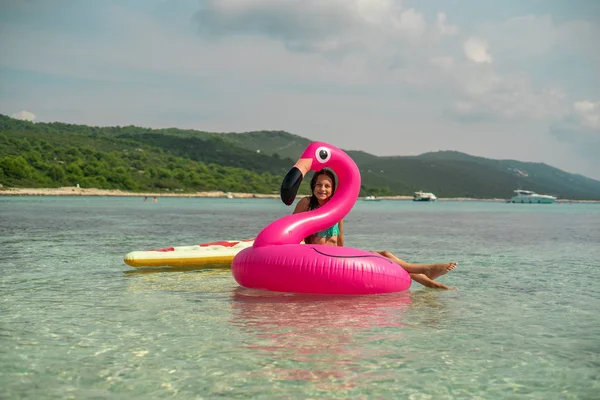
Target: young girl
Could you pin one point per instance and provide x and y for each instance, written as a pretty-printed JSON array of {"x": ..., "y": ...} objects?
[{"x": 322, "y": 187}]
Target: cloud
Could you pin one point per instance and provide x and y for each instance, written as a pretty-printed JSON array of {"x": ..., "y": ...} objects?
[
  {"x": 580, "y": 130},
  {"x": 443, "y": 27},
  {"x": 581, "y": 125},
  {"x": 508, "y": 97},
  {"x": 383, "y": 48},
  {"x": 24, "y": 116},
  {"x": 588, "y": 113},
  {"x": 386, "y": 44},
  {"x": 534, "y": 35},
  {"x": 476, "y": 50},
  {"x": 312, "y": 25}
]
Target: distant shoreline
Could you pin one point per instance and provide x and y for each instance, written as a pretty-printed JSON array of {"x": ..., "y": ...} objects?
[{"x": 76, "y": 191}]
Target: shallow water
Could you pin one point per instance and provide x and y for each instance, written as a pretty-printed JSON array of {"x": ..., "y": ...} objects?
[{"x": 76, "y": 322}]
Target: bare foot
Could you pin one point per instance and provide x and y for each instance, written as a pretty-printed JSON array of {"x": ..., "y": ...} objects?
[{"x": 437, "y": 270}]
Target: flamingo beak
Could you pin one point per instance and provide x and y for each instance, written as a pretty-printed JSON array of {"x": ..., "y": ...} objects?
[{"x": 292, "y": 180}]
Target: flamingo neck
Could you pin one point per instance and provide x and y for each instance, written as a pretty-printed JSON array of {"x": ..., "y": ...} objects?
[{"x": 292, "y": 229}]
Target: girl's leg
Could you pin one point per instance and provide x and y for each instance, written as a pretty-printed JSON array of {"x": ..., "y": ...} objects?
[
  {"x": 432, "y": 271},
  {"x": 430, "y": 283}
]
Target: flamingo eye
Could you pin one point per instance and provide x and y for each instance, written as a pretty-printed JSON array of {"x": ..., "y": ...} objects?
[{"x": 323, "y": 154}]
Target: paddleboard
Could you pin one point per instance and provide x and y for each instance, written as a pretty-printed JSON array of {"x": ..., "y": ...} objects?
[{"x": 212, "y": 253}]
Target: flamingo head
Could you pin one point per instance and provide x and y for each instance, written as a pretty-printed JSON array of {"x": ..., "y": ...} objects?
[{"x": 317, "y": 156}]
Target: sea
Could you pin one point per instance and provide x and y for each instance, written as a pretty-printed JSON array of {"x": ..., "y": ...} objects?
[{"x": 76, "y": 322}]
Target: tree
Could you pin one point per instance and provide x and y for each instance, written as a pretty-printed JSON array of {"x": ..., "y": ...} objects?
[
  {"x": 56, "y": 172},
  {"x": 16, "y": 167}
]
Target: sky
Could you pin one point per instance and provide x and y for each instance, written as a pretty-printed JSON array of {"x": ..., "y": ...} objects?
[{"x": 517, "y": 79}]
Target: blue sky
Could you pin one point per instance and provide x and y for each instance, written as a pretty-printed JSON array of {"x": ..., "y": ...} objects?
[{"x": 510, "y": 80}]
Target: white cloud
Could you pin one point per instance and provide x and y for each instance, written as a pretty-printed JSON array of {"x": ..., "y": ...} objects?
[
  {"x": 464, "y": 108},
  {"x": 313, "y": 25},
  {"x": 581, "y": 128},
  {"x": 476, "y": 50},
  {"x": 528, "y": 35},
  {"x": 444, "y": 62},
  {"x": 24, "y": 116},
  {"x": 589, "y": 113},
  {"x": 410, "y": 22},
  {"x": 372, "y": 12},
  {"x": 387, "y": 34},
  {"x": 443, "y": 27},
  {"x": 509, "y": 97},
  {"x": 377, "y": 34}
]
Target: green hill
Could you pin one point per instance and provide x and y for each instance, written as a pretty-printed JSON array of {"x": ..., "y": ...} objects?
[{"x": 140, "y": 159}]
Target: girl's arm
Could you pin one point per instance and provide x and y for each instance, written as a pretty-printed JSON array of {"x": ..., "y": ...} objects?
[
  {"x": 340, "y": 241},
  {"x": 302, "y": 205}
]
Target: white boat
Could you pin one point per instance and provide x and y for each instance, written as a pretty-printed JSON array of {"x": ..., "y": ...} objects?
[
  {"x": 527, "y": 196},
  {"x": 372, "y": 198},
  {"x": 424, "y": 196}
]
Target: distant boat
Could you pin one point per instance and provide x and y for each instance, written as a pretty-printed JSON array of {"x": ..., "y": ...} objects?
[
  {"x": 229, "y": 196},
  {"x": 424, "y": 196},
  {"x": 527, "y": 196},
  {"x": 372, "y": 198}
]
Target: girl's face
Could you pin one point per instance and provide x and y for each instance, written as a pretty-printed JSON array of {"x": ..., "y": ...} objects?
[{"x": 323, "y": 188}]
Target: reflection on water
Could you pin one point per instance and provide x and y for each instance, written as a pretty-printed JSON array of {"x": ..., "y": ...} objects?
[
  {"x": 330, "y": 344},
  {"x": 154, "y": 270},
  {"x": 316, "y": 338},
  {"x": 199, "y": 281}
]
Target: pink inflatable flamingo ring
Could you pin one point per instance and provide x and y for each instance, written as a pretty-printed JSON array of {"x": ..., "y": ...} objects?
[{"x": 278, "y": 262}]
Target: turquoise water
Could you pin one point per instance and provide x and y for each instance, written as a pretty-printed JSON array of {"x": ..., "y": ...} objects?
[{"x": 76, "y": 322}]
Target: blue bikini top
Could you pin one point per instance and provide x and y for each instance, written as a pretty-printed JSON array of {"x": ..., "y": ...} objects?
[{"x": 329, "y": 232}]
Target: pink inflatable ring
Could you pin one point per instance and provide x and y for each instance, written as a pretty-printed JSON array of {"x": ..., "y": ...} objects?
[{"x": 278, "y": 262}]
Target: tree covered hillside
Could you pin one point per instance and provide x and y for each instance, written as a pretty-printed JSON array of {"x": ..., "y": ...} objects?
[
  {"x": 129, "y": 158},
  {"x": 143, "y": 159}
]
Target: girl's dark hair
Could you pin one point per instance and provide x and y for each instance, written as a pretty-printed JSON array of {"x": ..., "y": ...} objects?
[{"x": 314, "y": 203}]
